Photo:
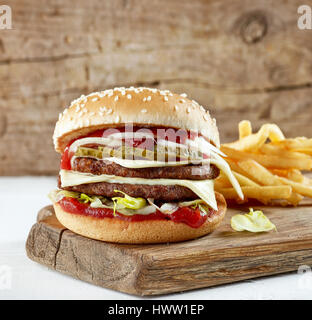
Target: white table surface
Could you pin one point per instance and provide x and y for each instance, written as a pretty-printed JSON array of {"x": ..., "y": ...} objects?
[{"x": 20, "y": 278}]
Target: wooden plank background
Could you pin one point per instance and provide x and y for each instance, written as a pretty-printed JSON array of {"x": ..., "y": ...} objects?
[{"x": 240, "y": 58}]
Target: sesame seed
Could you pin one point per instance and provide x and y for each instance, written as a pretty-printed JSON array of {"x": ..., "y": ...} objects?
[
  {"x": 65, "y": 111},
  {"x": 109, "y": 111},
  {"x": 143, "y": 110},
  {"x": 80, "y": 114},
  {"x": 60, "y": 116},
  {"x": 129, "y": 96},
  {"x": 144, "y": 99},
  {"x": 95, "y": 99},
  {"x": 202, "y": 108},
  {"x": 103, "y": 109},
  {"x": 101, "y": 113},
  {"x": 188, "y": 110},
  {"x": 117, "y": 119},
  {"x": 165, "y": 98},
  {"x": 87, "y": 122},
  {"x": 176, "y": 108},
  {"x": 116, "y": 98},
  {"x": 184, "y": 95},
  {"x": 206, "y": 117},
  {"x": 149, "y": 98},
  {"x": 110, "y": 93},
  {"x": 181, "y": 100}
]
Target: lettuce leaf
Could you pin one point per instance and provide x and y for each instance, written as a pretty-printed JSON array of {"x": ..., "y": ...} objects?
[
  {"x": 129, "y": 202},
  {"x": 254, "y": 221}
]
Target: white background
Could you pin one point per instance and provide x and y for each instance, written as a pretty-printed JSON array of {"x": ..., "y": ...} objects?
[{"x": 21, "y": 278}]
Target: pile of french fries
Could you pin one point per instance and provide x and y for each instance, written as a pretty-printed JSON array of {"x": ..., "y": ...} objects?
[{"x": 268, "y": 166}]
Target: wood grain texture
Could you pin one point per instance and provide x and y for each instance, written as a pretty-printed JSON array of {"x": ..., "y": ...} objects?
[
  {"x": 222, "y": 257},
  {"x": 240, "y": 58}
]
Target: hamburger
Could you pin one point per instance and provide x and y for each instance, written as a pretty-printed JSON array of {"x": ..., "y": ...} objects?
[{"x": 138, "y": 166}]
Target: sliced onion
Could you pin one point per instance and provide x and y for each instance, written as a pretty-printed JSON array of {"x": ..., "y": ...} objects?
[{"x": 169, "y": 208}]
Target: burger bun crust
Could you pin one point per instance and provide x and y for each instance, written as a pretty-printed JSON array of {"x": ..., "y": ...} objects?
[{"x": 138, "y": 106}]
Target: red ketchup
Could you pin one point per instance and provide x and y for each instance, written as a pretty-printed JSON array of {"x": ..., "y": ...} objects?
[{"x": 191, "y": 217}]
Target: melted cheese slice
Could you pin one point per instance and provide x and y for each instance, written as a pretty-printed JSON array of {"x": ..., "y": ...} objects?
[
  {"x": 203, "y": 188},
  {"x": 137, "y": 164},
  {"x": 215, "y": 159}
]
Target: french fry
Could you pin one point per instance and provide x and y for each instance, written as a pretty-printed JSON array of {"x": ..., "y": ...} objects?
[
  {"x": 266, "y": 178},
  {"x": 292, "y": 174},
  {"x": 234, "y": 166},
  {"x": 307, "y": 151},
  {"x": 244, "y": 181},
  {"x": 270, "y": 149},
  {"x": 264, "y": 168},
  {"x": 222, "y": 181},
  {"x": 307, "y": 181},
  {"x": 269, "y": 161},
  {"x": 302, "y": 189},
  {"x": 295, "y": 175},
  {"x": 280, "y": 172},
  {"x": 254, "y": 141},
  {"x": 260, "y": 193},
  {"x": 297, "y": 143},
  {"x": 258, "y": 173},
  {"x": 244, "y": 129},
  {"x": 295, "y": 198}
]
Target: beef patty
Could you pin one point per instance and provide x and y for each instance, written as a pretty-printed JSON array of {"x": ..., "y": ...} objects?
[
  {"x": 187, "y": 172},
  {"x": 157, "y": 192}
]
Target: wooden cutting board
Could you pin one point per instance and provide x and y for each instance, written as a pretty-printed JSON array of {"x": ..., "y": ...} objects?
[{"x": 222, "y": 257}]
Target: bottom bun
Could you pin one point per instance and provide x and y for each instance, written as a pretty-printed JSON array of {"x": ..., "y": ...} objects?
[{"x": 149, "y": 231}]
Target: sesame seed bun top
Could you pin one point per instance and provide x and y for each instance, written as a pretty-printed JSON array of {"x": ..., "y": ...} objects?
[{"x": 140, "y": 106}]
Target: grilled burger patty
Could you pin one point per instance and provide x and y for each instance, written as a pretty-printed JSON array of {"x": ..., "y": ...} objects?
[
  {"x": 188, "y": 172},
  {"x": 157, "y": 192}
]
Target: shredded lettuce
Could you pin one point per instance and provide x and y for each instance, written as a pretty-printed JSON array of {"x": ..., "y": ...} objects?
[
  {"x": 193, "y": 203},
  {"x": 129, "y": 202},
  {"x": 128, "y": 205},
  {"x": 57, "y": 195},
  {"x": 102, "y": 202},
  {"x": 85, "y": 198},
  {"x": 254, "y": 221},
  {"x": 199, "y": 203}
]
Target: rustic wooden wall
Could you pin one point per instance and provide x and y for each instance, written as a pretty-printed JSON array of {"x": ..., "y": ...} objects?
[{"x": 240, "y": 58}]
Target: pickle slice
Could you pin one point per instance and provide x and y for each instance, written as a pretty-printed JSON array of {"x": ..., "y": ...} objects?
[
  {"x": 89, "y": 152},
  {"x": 160, "y": 153}
]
